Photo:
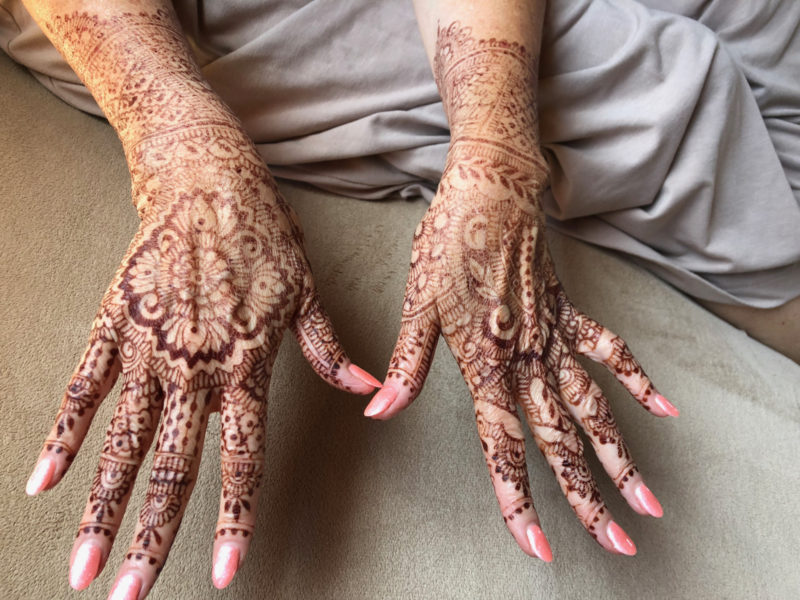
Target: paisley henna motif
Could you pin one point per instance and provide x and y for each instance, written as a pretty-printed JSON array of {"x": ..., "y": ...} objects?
[
  {"x": 197, "y": 309},
  {"x": 481, "y": 274}
]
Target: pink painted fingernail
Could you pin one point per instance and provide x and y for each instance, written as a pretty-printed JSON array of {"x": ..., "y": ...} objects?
[
  {"x": 620, "y": 539},
  {"x": 84, "y": 567},
  {"x": 666, "y": 406},
  {"x": 539, "y": 543},
  {"x": 41, "y": 476},
  {"x": 364, "y": 376},
  {"x": 225, "y": 565},
  {"x": 127, "y": 588},
  {"x": 649, "y": 501},
  {"x": 380, "y": 402}
]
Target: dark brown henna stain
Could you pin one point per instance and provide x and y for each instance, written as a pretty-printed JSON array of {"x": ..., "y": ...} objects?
[
  {"x": 601, "y": 424},
  {"x": 482, "y": 273},
  {"x": 240, "y": 480},
  {"x": 213, "y": 277},
  {"x": 507, "y": 453}
]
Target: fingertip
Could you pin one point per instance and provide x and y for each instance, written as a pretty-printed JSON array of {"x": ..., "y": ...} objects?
[
  {"x": 226, "y": 564},
  {"x": 364, "y": 376},
  {"x": 649, "y": 501},
  {"x": 538, "y": 543},
  {"x": 127, "y": 588},
  {"x": 621, "y": 541},
  {"x": 85, "y": 566},
  {"x": 666, "y": 406},
  {"x": 41, "y": 477},
  {"x": 380, "y": 403}
]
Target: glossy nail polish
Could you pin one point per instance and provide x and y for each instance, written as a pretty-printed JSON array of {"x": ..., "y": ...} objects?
[
  {"x": 41, "y": 476},
  {"x": 127, "y": 588},
  {"x": 620, "y": 539},
  {"x": 225, "y": 565},
  {"x": 84, "y": 567},
  {"x": 666, "y": 406},
  {"x": 648, "y": 501},
  {"x": 539, "y": 543},
  {"x": 364, "y": 376},
  {"x": 380, "y": 402}
]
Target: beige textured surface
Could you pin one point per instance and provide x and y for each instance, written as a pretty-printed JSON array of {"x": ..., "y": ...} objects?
[{"x": 358, "y": 509}]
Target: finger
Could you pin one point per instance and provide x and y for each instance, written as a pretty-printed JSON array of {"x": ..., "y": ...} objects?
[
  {"x": 244, "y": 417},
  {"x": 504, "y": 449},
  {"x": 558, "y": 441},
  {"x": 591, "y": 339},
  {"x": 173, "y": 475},
  {"x": 409, "y": 366},
  {"x": 588, "y": 406},
  {"x": 314, "y": 332},
  {"x": 88, "y": 386},
  {"x": 128, "y": 439}
]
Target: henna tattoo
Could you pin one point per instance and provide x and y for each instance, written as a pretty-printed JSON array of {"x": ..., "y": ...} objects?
[
  {"x": 111, "y": 485},
  {"x": 239, "y": 483},
  {"x": 481, "y": 274},
  {"x": 507, "y": 452},
  {"x": 166, "y": 496},
  {"x": 197, "y": 309},
  {"x": 600, "y": 423}
]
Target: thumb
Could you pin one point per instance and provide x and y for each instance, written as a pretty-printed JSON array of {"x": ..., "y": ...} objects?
[
  {"x": 314, "y": 332},
  {"x": 411, "y": 361}
]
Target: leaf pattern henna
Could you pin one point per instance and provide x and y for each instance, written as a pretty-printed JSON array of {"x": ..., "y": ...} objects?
[
  {"x": 196, "y": 311},
  {"x": 481, "y": 274}
]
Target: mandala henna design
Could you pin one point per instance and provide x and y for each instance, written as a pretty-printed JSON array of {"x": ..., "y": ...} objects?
[
  {"x": 575, "y": 470},
  {"x": 197, "y": 309},
  {"x": 621, "y": 358},
  {"x": 506, "y": 452}
]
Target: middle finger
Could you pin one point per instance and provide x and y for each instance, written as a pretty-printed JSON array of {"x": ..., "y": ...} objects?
[{"x": 174, "y": 472}]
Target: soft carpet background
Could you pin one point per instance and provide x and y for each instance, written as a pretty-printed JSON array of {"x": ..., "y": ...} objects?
[{"x": 359, "y": 509}]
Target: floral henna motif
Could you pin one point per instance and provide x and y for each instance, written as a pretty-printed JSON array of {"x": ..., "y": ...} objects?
[
  {"x": 481, "y": 274},
  {"x": 196, "y": 311},
  {"x": 240, "y": 480},
  {"x": 166, "y": 496},
  {"x": 600, "y": 423},
  {"x": 506, "y": 452}
]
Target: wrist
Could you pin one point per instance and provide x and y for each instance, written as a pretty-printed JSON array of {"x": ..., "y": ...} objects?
[
  {"x": 488, "y": 89},
  {"x": 213, "y": 155}
]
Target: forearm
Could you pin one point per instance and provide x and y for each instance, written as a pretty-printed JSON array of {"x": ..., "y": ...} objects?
[
  {"x": 485, "y": 59},
  {"x": 133, "y": 58},
  {"x": 135, "y": 61}
]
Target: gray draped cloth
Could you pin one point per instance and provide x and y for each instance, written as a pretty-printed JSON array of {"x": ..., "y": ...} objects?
[{"x": 672, "y": 127}]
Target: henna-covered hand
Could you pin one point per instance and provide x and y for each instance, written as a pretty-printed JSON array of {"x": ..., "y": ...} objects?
[
  {"x": 482, "y": 276},
  {"x": 192, "y": 321}
]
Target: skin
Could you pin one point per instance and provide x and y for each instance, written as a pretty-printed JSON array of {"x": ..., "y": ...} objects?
[
  {"x": 481, "y": 275},
  {"x": 217, "y": 272},
  {"x": 195, "y": 314}
]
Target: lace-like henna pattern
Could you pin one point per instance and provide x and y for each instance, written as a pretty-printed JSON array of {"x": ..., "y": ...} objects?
[
  {"x": 600, "y": 423},
  {"x": 197, "y": 309},
  {"x": 481, "y": 274},
  {"x": 240, "y": 480},
  {"x": 506, "y": 452}
]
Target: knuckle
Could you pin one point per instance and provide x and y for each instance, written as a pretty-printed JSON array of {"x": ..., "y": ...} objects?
[{"x": 517, "y": 506}]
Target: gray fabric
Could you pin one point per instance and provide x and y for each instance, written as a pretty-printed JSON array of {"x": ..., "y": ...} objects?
[
  {"x": 652, "y": 123},
  {"x": 353, "y": 509}
]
